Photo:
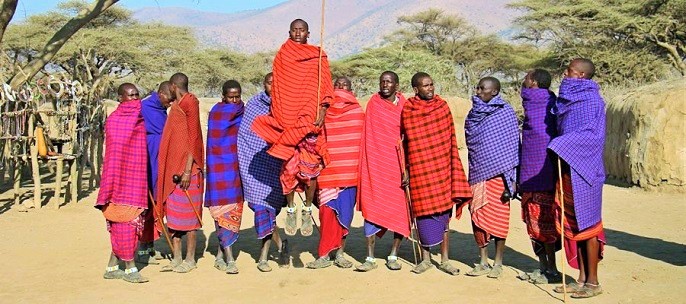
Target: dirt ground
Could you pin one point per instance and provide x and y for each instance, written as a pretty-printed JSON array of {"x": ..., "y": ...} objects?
[{"x": 60, "y": 256}]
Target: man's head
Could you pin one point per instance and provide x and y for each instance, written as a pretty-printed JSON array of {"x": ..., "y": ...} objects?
[
  {"x": 388, "y": 84},
  {"x": 343, "y": 83},
  {"x": 299, "y": 31},
  {"x": 268, "y": 80},
  {"x": 127, "y": 91},
  {"x": 165, "y": 95},
  {"x": 179, "y": 84},
  {"x": 488, "y": 88},
  {"x": 580, "y": 68},
  {"x": 231, "y": 92},
  {"x": 423, "y": 86},
  {"x": 537, "y": 78}
]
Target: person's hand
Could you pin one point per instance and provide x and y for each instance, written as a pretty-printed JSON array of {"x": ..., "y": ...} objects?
[
  {"x": 405, "y": 181},
  {"x": 320, "y": 121},
  {"x": 185, "y": 180}
]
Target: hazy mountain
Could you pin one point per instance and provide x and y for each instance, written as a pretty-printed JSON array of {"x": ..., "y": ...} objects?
[{"x": 350, "y": 26}]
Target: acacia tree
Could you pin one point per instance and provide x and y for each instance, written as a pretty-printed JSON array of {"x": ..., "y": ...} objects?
[
  {"x": 473, "y": 55},
  {"x": 634, "y": 39},
  {"x": 111, "y": 47},
  {"x": 57, "y": 41}
]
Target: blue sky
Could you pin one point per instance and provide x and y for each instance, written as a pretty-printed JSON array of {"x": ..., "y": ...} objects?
[{"x": 32, "y": 7}]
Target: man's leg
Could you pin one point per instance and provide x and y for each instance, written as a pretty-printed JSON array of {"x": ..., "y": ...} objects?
[
  {"x": 591, "y": 286},
  {"x": 370, "y": 261},
  {"x": 445, "y": 265},
  {"x": 497, "y": 269},
  {"x": 307, "y": 226},
  {"x": 190, "y": 247},
  {"x": 340, "y": 260},
  {"x": 291, "y": 227},
  {"x": 230, "y": 262},
  {"x": 112, "y": 271},
  {"x": 392, "y": 261}
]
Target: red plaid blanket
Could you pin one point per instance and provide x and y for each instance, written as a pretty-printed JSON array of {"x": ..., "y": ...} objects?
[{"x": 437, "y": 179}]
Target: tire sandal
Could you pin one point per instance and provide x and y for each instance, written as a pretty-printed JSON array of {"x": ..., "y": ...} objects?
[
  {"x": 479, "y": 270},
  {"x": 170, "y": 267},
  {"x": 587, "y": 291},
  {"x": 307, "y": 226},
  {"x": 133, "y": 276},
  {"x": 342, "y": 262},
  {"x": 231, "y": 268},
  {"x": 184, "y": 267},
  {"x": 448, "y": 268},
  {"x": 290, "y": 228},
  {"x": 263, "y": 266},
  {"x": 319, "y": 263},
  {"x": 220, "y": 264},
  {"x": 368, "y": 265},
  {"x": 422, "y": 267},
  {"x": 571, "y": 287}
]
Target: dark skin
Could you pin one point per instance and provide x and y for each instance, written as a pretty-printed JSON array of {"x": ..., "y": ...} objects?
[
  {"x": 388, "y": 88},
  {"x": 127, "y": 93},
  {"x": 486, "y": 90},
  {"x": 233, "y": 95},
  {"x": 299, "y": 32},
  {"x": 165, "y": 96},
  {"x": 588, "y": 251},
  {"x": 177, "y": 93},
  {"x": 342, "y": 83},
  {"x": 275, "y": 237},
  {"x": 546, "y": 261},
  {"x": 425, "y": 91}
]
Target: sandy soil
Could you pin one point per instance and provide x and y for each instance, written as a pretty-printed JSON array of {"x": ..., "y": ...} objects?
[{"x": 59, "y": 256}]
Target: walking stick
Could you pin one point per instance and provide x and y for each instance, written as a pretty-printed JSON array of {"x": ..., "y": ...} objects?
[
  {"x": 159, "y": 219},
  {"x": 562, "y": 230},
  {"x": 321, "y": 53},
  {"x": 413, "y": 224},
  {"x": 177, "y": 180}
]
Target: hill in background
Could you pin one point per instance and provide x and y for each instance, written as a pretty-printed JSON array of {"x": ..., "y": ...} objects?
[{"x": 350, "y": 25}]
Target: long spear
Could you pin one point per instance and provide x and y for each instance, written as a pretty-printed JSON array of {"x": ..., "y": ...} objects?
[{"x": 159, "y": 219}]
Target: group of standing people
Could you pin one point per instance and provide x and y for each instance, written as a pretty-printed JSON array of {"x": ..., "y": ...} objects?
[{"x": 397, "y": 162}]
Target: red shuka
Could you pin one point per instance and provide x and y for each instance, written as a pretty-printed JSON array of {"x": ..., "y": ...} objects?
[
  {"x": 294, "y": 98},
  {"x": 343, "y": 130},
  {"x": 437, "y": 179},
  {"x": 381, "y": 197}
]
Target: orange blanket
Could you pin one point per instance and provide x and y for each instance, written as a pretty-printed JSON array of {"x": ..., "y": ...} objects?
[
  {"x": 343, "y": 130},
  {"x": 381, "y": 198},
  {"x": 181, "y": 135},
  {"x": 294, "y": 98}
]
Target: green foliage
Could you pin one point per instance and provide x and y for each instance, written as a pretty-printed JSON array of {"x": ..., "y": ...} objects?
[
  {"x": 472, "y": 55},
  {"x": 364, "y": 68},
  {"x": 631, "y": 41}
]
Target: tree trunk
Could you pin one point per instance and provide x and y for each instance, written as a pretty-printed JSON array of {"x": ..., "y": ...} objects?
[
  {"x": 59, "y": 39},
  {"x": 8, "y": 8}
]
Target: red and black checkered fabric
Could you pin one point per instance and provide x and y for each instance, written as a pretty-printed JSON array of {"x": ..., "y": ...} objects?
[{"x": 437, "y": 178}]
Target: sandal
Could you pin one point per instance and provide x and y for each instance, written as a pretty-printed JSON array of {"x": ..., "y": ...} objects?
[
  {"x": 284, "y": 255},
  {"x": 307, "y": 226},
  {"x": 495, "y": 272},
  {"x": 134, "y": 277},
  {"x": 571, "y": 287},
  {"x": 185, "y": 267},
  {"x": 113, "y": 275},
  {"x": 322, "y": 262},
  {"x": 392, "y": 263},
  {"x": 342, "y": 262},
  {"x": 231, "y": 268},
  {"x": 587, "y": 291},
  {"x": 528, "y": 276},
  {"x": 220, "y": 264},
  {"x": 291, "y": 226},
  {"x": 263, "y": 266},
  {"x": 479, "y": 270},
  {"x": 448, "y": 268},
  {"x": 170, "y": 267},
  {"x": 368, "y": 265},
  {"x": 422, "y": 267}
]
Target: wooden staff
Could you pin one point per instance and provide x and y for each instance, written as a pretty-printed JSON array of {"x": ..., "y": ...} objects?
[
  {"x": 177, "y": 179},
  {"x": 413, "y": 224},
  {"x": 321, "y": 53},
  {"x": 562, "y": 230},
  {"x": 159, "y": 218}
]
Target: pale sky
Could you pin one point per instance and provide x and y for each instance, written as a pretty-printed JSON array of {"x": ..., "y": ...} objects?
[{"x": 32, "y": 7}]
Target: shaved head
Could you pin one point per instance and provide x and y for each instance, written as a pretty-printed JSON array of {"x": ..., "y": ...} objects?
[
  {"x": 584, "y": 66},
  {"x": 300, "y": 21},
  {"x": 492, "y": 80},
  {"x": 164, "y": 87},
  {"x": 121, "y": 91},
  {"x": 180, "y": 80}
]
